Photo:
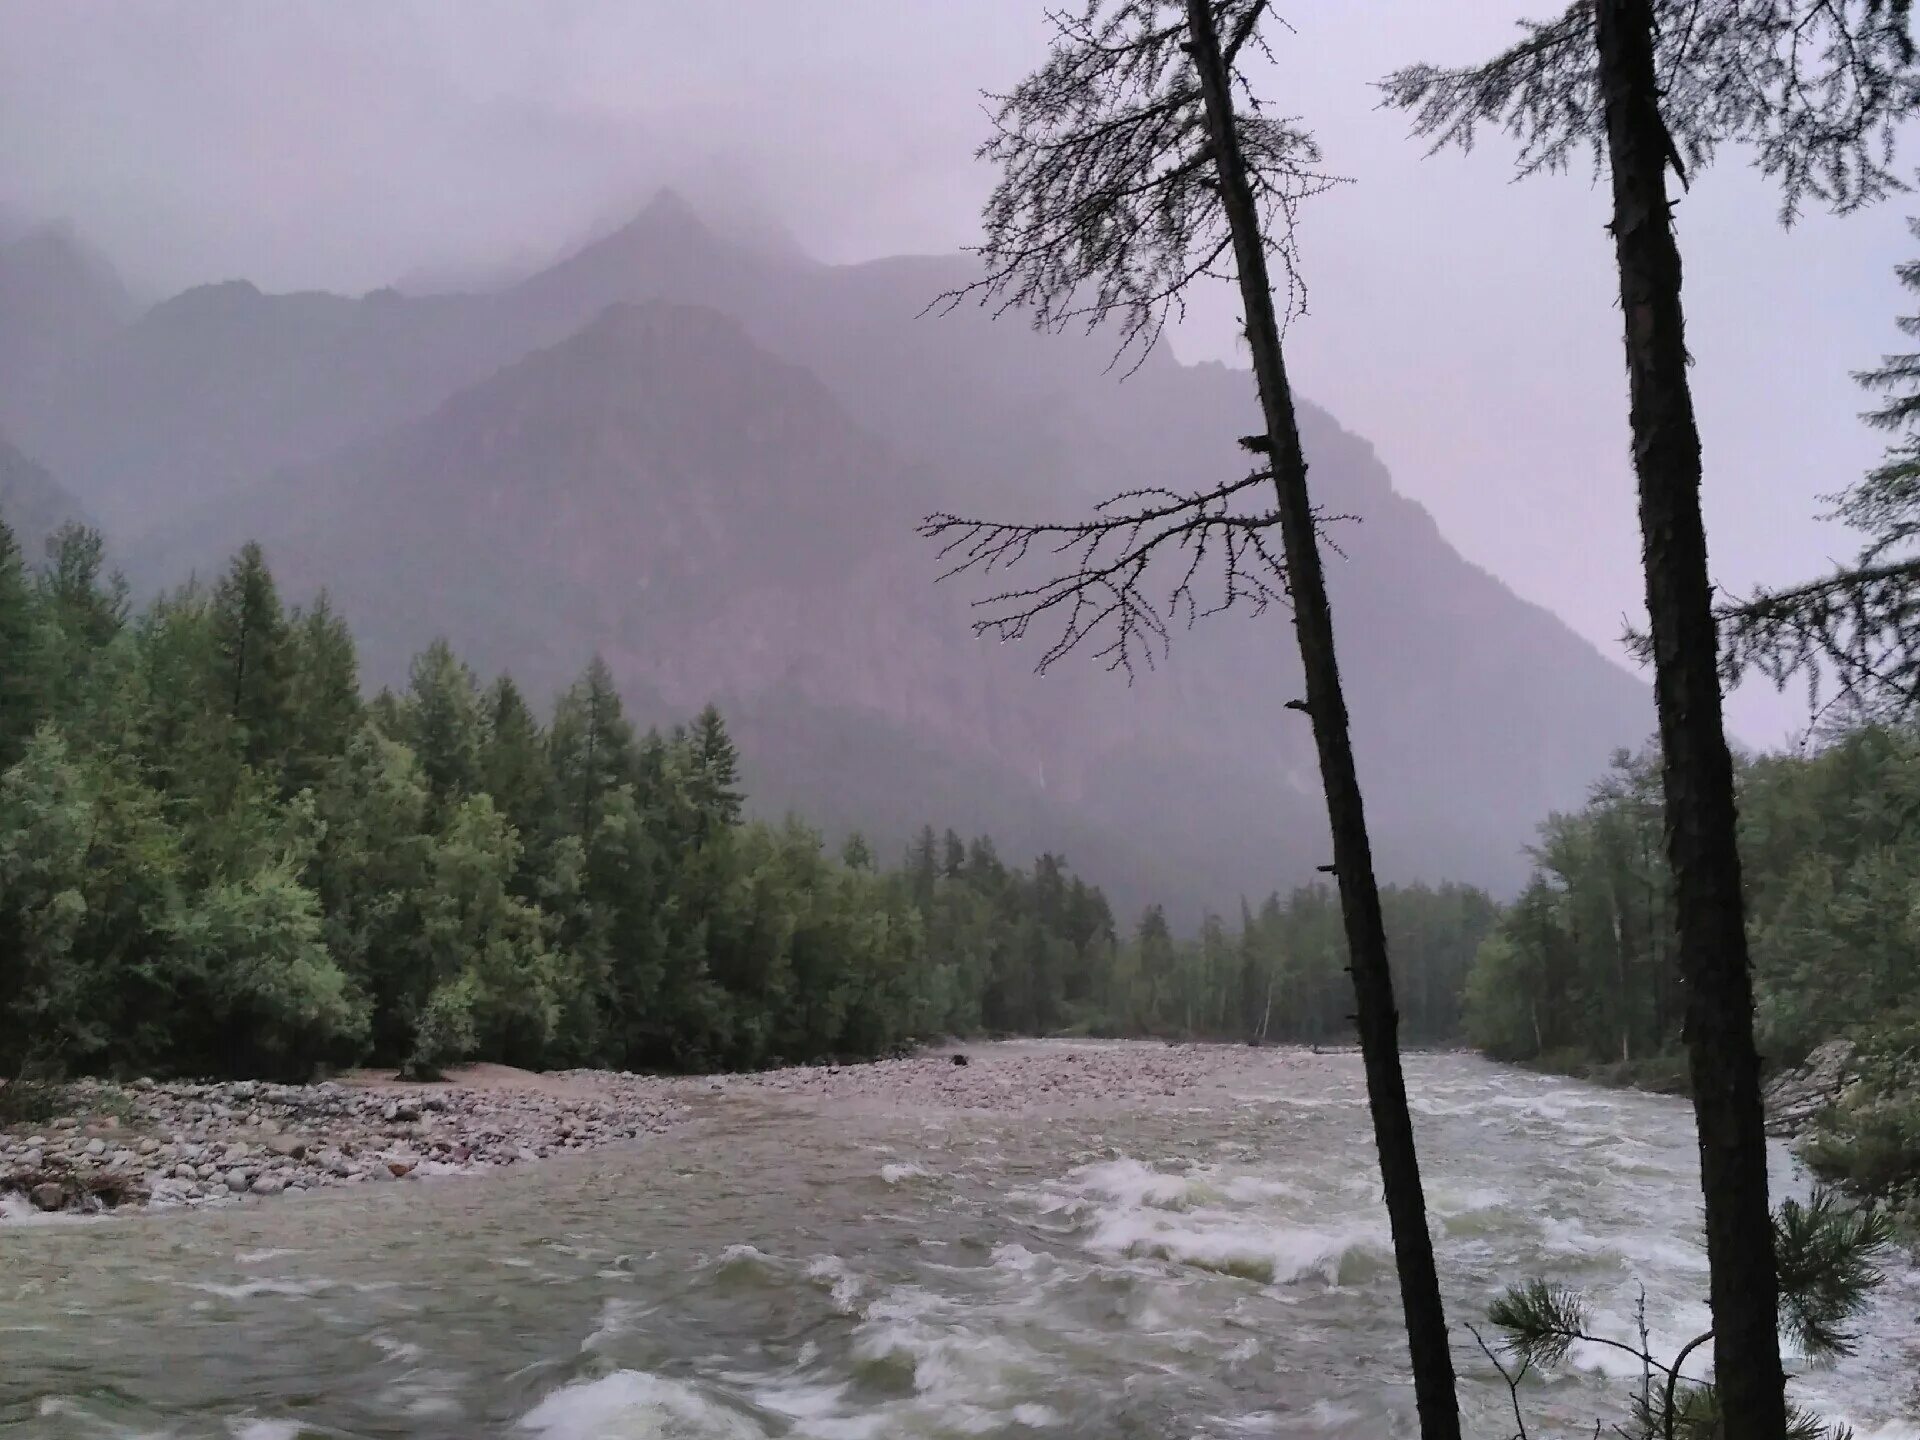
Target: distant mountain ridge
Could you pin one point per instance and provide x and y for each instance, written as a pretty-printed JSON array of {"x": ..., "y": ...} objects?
[{"x": 705, "y": 461}]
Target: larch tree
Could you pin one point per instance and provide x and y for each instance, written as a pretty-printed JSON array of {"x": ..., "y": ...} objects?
[
  {"x": 1644, "y": 87},
  {"x": 1858, "y": 627},
  {"x": 1134, "y": 164}
]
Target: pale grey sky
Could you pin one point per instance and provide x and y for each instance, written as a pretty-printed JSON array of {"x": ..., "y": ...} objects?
[{"x": 1464, "y": 323}]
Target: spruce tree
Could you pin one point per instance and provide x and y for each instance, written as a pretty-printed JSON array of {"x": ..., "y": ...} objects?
[
  {"x": 592, "y": 750},
  {"x": 253, "y": 659},
  {"x": 441, "y": 723},
  {"x": 19, "y": 665},
  {"x": 714, "y": 771},
  {"x": 323, "y": 693},
  {"x": 514, "y": 766}
]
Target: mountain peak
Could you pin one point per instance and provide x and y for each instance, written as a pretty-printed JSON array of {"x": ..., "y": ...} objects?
[{"x": 667, "y": 216}]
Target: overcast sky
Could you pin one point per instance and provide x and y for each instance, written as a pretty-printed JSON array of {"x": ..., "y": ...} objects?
[{"x": 1464, "y": 323}]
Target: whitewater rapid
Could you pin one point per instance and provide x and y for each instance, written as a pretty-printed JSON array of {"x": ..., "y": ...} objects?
[{"x": 840, "y": 1264}]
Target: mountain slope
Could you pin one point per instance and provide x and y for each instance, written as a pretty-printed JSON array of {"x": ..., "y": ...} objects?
[
  {"x": 33, "y": 503},
  {"x": 663, "y": 489},
  {"x": 58, "y": 303}
]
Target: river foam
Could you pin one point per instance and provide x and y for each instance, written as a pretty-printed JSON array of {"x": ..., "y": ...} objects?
[
  {"x": 632, "y": 1405},
  {"x": 1206, "y": 1262}
]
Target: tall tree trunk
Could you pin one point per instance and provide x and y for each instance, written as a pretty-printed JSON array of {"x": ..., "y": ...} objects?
[
  {"x": 1698, "y": 768},
  {"x": 1376, "y": 1019}
]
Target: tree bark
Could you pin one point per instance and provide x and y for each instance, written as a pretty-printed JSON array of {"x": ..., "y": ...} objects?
[
  {"x": 1376, "y": 1020},
  {"x": 1698, "y": 770}
]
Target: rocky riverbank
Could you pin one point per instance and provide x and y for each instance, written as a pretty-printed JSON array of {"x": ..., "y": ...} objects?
[
  {"x": 1796, "y": 1098},
  {"x": 112, "y": 1146},
  {"x": 107, "y": 1146}
]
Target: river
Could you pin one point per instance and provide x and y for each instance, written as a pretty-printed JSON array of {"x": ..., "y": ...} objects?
[{"x": 1208, "y": 1263}]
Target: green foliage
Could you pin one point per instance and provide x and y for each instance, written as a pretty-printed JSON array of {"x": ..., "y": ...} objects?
[
  {"x": 1826, "y": 1256},
  {"x": 1542, "y": 1321},
  {"x": 1870, "y": 1141},
  {"x": 1582, "y": 965},
  {"x": 215, "y": 858},
  {"x": 272, "y": 999},
  {"x": 1829, "y": 1266}
]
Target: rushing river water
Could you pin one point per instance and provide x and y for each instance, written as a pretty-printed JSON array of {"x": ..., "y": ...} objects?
[{"x": 1210, "y": 1265}]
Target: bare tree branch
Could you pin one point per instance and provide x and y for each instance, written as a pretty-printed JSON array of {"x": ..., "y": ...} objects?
[
  {"x": 1107, "y": 211},
  {"x": 1816, "y": 87},
  {"x": 1101, "y": 596}
]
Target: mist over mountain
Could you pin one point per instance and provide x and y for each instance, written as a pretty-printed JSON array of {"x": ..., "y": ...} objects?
[
  {"x": 32, "y": 502},
  {"x": 702, "y": 457}
]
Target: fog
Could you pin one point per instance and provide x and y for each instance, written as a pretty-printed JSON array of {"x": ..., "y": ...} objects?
[{"x": 1464, "y": 323}]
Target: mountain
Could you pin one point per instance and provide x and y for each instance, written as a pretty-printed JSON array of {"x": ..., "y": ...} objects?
[
  {"x": 58, "y": 302},
  {"x": 211, "y": 389},
  {"x": 32, "y": 503},
  {"x": 704, "y": 460}
]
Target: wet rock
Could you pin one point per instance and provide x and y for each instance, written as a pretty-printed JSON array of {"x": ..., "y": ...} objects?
[
  {"x": 1795, "y": 1097},
  {"x": 48, "y": 1195}
]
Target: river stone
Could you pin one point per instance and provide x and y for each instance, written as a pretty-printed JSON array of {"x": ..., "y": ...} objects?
[
  {"x": 96, "y": 1146},
  {"x": 237, "y": 1180},
  {"x": 149, "y": 1145},
  {"x": 288, "y": 1147},
  {"x": 268, "y": 1184},
  {"x": 32, "y": 1159},
  {"x": 47, "y": 1196}
]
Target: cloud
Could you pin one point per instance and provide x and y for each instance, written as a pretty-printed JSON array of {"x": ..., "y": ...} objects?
[{"x": 1464, "y": 323}]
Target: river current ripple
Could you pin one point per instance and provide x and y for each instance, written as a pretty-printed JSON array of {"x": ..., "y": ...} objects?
[{"x": 1212, "y": 1263}]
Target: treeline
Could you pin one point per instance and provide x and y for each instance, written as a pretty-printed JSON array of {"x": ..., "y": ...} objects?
[
  {"x": 216, "y": 857},
  {"x": 1583, "y": 962},
  {"x": 1581, "y": 971},
  {"x": 1282, "y": 975}
]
